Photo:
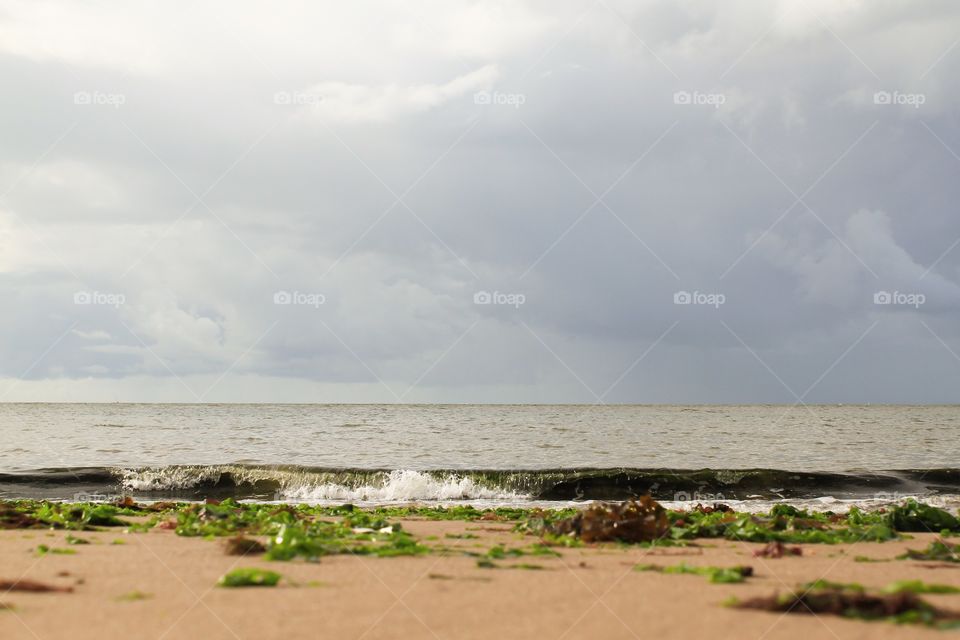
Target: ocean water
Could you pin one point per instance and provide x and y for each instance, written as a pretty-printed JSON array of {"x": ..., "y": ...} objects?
[{"x": 490, "y": 454}]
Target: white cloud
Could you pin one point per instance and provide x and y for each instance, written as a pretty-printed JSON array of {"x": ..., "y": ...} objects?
[{"x": 345, "y": 102}]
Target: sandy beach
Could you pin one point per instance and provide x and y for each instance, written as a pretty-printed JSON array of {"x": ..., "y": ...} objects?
[{"x": 156, "y": 584}]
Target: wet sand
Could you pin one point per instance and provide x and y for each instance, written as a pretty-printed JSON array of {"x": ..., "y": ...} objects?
[{"x": 588, "y": 592}]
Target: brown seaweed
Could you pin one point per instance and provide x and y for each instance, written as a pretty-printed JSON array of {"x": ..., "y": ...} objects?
[
  {"x": 32, "y": 586},
  {"x": 901, "y": 606},
  {"x": 13, "y": 519},
  {"x": 777, "y": 549},
  {"x": 241, "y": 546},
  {"x": 640, "y": 520},
  {"x": 717, "y": 507}
]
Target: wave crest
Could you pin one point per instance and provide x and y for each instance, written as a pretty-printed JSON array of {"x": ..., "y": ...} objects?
[{"x": 403, "y": 485}]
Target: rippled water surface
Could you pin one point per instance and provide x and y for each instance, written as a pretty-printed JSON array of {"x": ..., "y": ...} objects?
[{"x": 816, "y": 438}]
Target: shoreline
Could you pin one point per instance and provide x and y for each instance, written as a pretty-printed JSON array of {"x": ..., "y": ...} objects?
[{"x": 153, "y": 571}]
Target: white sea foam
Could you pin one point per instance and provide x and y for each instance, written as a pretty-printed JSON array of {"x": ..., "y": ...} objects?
[
  {"x": 402, "y": 486},
  {"x": 166, "y": 478}
]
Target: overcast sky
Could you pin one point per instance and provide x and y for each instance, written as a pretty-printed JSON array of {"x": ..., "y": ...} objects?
[{"x": 480, "y": 202}]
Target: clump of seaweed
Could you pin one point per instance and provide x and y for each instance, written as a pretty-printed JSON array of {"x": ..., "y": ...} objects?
[
  {"x": 717, "y": 575},
  {"x": 248, "y": 577},
  {"x": 32, "y": 586},
  {"x": 776, "y": 549},
  {"x": 916, "y": 516},
  {"x": 11, "y": 518},
  {"x": 30, "y": 514},
  {"x": 784, "y": 523},
  {"x": 898, "y": 603},
  {"x": 312, "y": 539},
  {"x": 716, "y": 507},
  {"x": 938, "y": 550},
  {"x": 640, "y": 520}
]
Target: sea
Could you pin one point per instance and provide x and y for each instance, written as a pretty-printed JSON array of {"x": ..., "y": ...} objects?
[{"x": 828, "y": 457}]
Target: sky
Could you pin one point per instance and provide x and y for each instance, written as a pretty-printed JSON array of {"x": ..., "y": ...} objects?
[{"x": 595, "y": 202}]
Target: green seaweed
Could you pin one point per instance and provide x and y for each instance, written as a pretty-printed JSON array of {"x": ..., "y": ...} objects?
[
  {"x": 312, "y": 540},
  {"x": 249, "y": 577},
  {"x": 78, "y": 516},
  {"x": 780, "y": 526},
  {"x": 918, "y": 586},
  {"x": 869, "y": 559},
  {"x": 823, "y": 583},
  {"x": 916, "y": 516},
  {"x": 499, "y": 552},
  {"x": 43, "y": 550},
  {"x": 938, "y": 550},
  {"x": 716, "y": 575}
]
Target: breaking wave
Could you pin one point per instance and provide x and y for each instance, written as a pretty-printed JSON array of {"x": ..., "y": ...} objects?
[
  {"x": 310, "y": 484},
  {"x": 402, "y": 486}
]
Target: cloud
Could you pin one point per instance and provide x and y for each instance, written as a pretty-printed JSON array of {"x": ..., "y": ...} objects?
[
  {"x": 356, "y": 103},
  {"x": 223, "y": 101},
  {"x": 846, "y": 270}
]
